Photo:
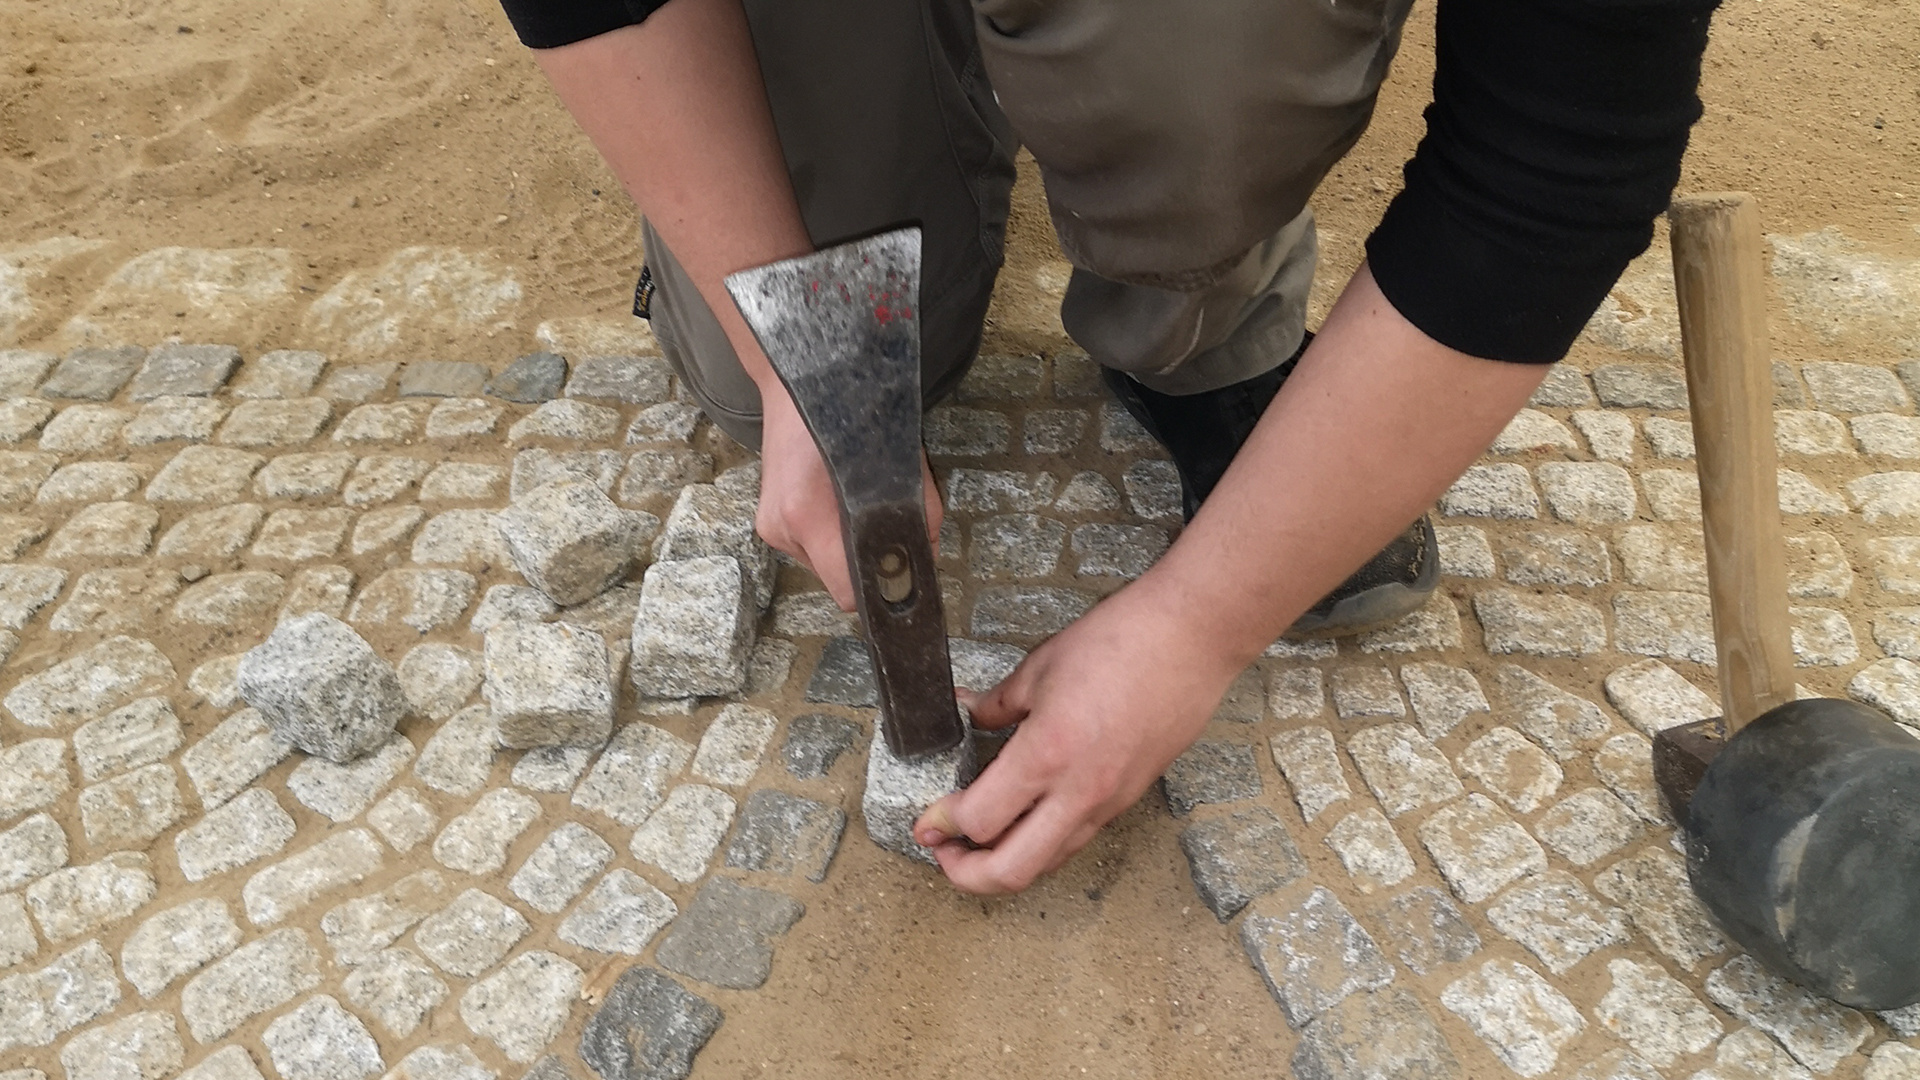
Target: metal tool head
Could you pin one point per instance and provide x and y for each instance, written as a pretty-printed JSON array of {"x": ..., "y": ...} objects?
[{"x": 842, "y": 330}]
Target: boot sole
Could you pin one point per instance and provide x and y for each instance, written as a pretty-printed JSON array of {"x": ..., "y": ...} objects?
[{"x": 1375, "y": 608}]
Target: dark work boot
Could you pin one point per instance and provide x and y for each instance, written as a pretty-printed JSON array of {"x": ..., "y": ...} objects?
[{"x": 1203, "y": 432}]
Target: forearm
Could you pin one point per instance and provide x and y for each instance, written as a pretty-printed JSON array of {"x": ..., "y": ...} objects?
[
  {"x": 1375, "y": 423},
  {"x": 676, "y": 107}
]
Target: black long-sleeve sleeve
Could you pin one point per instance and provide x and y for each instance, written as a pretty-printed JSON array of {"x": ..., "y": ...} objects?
[
  {"x": 546, "y": 24},
  {"x": 1553, "y": 142}
]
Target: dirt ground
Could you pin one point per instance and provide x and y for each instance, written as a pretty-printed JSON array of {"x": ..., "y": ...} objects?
[{"x": 346, "y": 129}]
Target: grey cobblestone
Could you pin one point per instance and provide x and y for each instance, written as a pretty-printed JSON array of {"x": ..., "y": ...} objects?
[
  {"x": 560, "y": 867},
  {"x": 814, "y": 742},
  {"x": 659, "y": 474},
  {"x": 1818, "y": 1033},
  {"x": 82, "y": 687},
  {"x": 423, "y": 600},
  {"x": 1087, "y": 492},
  {"x": 385, "y": 527},
  {"x": 1307, "y": 758},
  {"x": 680, "y": 837},
  {"x": 1492, "y": 491},
  {"x": 620, "y": 915},
  {"x": 1608, "y": 434},
  {"x": 476, "y": 842},
  {"x": 1813, "y": 434},
  {"x": 176, "y": 943},
  {"x": 1016, "y": 546},
  {"x": 549, "y": 684},
  {"x": 538, "y": 466},
  {"x": 80, "y": 429},
  {"x": 1587, "y": 492},
  {"x": 18, "y": 943},
  {"x": 1432, "y": 628},
  {"x": 1239, "y": 857},
  {"x": 1153, "y": 490},
  {"x": 173, "y": 419},
  {"x": 471, "y": 934},
  {"x": 437, "y": 678},
  {"x": 954, "y": 431},
  {"x": 667, "y": 422},
  {"x": 120, "y": 599},
  {"x": 1539, "y": 624},
  {"x": 635, "y": 380},
  {"x": 1379, "y": 1034},
  {"x": 1799, "y": 495},
  {"x": 382, "y": 478},
  {"x": 725, "y": 937},
  {"x": 1402, "y": 769},
  {"x": 459, "y": 757},
  {"x": 89, "y": 482},
  {"x": 786, "y": 834},
  {"x": 1669, "y": 438},
  {"x": 230, "y": 599},
  {"x": 1565, "y": 724},
  {"x": 1672, "y": 495},
  {"x": 1657, "y": 557},
  {"x": 319, "y": 588},
  {"x": 566, "y": 420},
  {"x": 1026, "y": 610},
  {"x": 1368, "y": 691},
  {"x": 94, "y": 374},
  {"x": 342, "y": 859},
  {"x": 1520, "y": 1016},
  {"x": 1854, "y": 388},
  {"x": 1625, "y": 764},
  {"x": 341, "y": 792},
  {"x": 1655, "y": 1013},
  {"x": 1749, "y": 1055},
  {"x": 1670, "y": 624},
  {"x": 1464, "y": 551},
  {"x": 113, "y": 530},
  {"x": 31, "y": 850},
  {"x": 522, "y": 1007},
  {"x": 22, "y": 473},
  {"x": 1313, "y": 955},
  {"x": 246, "y": 829},
  {"x": 396, "y": 988},
  {"x": 629, "y": 781},
  {"x": 257, "y": 977},
  {"x": 462, "y": 481},
  {"x": 1556, "y": 557},
  {"x": 322, "y": 1041},
  {"x": 1370, "y": 850},
  {"x": 257, "y": 425},
  {"x": 1442, "y": 696},
  {"x": 357, "y": 382},
  {"x": 22, "y": 369},
  {"x": 1822, "y": 637},
  {"x": 360, "y": 928},
  {"x": 403, "y": 819},
  {"x": 1211, "y": 772},
  {"x": 1531, "y": 430},
  {"x": 278, "y": 374},
  {"x": 649, "y": 1028},
  {"x": 144, "y": 1046},
  {"x": 36, "y": 1007},
  {"x": 1478, "y": 849},
  {"x": 22, "y": 418},
  {"x": 1519, "y": 773},
  {"x": 1587, "y": 826},
  {"x": 79, "y": 900},
  {"x": 1652, "y": 887},
  {"x": 694, "y": 629},
  {"x": 1425, "y": 930},
  {"x": 1641, "y": 386},
  {"x": 130, "y": 811},
  {"x": 1295, "y": 693},
  {"x": 1554, "y": 917},
  {"x": 205, "y": 474},
  {"x": 304, "y": 476}
]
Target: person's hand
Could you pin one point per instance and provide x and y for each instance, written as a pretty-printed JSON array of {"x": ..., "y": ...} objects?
[
  {"x": 1103, "y": 708},
  {"x": 798, "y": 512}
]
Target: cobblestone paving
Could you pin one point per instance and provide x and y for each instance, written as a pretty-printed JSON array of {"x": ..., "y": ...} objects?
[{"x": 183, "y": 894}]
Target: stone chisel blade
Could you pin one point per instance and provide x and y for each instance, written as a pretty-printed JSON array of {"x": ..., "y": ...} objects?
[{"x": 842, "y": 330}]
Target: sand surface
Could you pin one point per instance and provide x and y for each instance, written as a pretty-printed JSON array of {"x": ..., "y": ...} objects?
[{"x": 345, "y": 131}]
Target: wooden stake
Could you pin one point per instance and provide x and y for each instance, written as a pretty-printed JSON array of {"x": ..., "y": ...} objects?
[{"x": 1723, "y": 329}]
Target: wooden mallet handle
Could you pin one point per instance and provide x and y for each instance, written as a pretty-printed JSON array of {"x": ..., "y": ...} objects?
[{"x": 1723, "y": 330}]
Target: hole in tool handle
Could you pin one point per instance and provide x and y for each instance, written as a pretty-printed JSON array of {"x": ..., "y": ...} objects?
[{"x": 894, "y": 576}]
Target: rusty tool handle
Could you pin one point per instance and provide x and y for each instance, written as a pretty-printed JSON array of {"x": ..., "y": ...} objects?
[{"x": 1723, "y": 330}]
